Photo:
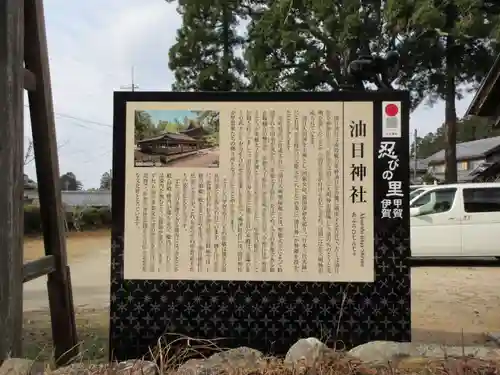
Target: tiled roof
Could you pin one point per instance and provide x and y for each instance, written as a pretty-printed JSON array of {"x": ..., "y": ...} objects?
[
  {"x": 179, "y": 137},
  {"x": 469, "y": 150},
  {"x": 172, "y": 136}
]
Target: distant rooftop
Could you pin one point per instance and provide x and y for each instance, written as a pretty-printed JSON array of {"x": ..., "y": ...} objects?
[
  {"x": 29, "y": 184},
  {"x": 421, "y": 165},
  {"x": 470, "y": 150}
]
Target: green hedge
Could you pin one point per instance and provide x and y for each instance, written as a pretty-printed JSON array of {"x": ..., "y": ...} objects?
[{"x": 77, "y": 218}]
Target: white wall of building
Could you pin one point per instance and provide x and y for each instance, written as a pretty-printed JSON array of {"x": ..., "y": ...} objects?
[{"x": 78, "y": 198}]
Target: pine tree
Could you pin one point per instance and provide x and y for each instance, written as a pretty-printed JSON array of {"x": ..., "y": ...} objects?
[
  {"x": 308, "y": 44},
  {"x": 447, "y": 44},
  {"x": 69, "y": 182},
  {"x": 106, "y": 180},
  {"x": 204, "y": 55}
]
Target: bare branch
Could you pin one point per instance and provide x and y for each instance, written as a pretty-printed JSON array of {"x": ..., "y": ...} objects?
[{"x": 29, "y": 155}]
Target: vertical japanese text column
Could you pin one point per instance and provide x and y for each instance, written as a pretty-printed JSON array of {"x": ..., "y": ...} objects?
[{"x": 358, "y": 190}]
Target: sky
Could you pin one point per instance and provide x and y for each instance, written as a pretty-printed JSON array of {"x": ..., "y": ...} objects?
[{"x": 93, "y": 45}]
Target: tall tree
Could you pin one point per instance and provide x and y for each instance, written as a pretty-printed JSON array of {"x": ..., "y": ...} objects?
[
  {"x": 69, "y": 182},
  {"x": 209, "y": 120},
  {"x": 106, "y": 180},
  {"x": 467, "y": 130},
  {"x": 308, "y": 44},
  {"x": 204, "y": 55},
  {"x": 447, "y": 45},
  {"x": 144, "y": 126}
]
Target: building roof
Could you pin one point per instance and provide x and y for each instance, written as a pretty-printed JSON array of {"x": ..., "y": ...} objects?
[
  {"x": 171, "y": 136},
  {"x": 29, "y": 184},
  {"x": 194, "y": 131},
  {"x": 485, "y": 102},
  {"x": 470, "y": 150}
]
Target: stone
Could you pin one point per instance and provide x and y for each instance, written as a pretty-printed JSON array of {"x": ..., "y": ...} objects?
[
  {"x": 445, "y": 365},
  {"x": 493, "y": 336},
  {"x": 135, "y": 367},
  {"x": 238, "y": 358},
  {"x": 309, "y": 353},
  {"x": 21, "y": 366},
  {"x": 242, "y": 356},
  {"x": 130, "y": 367},
  {"x": 305, "y": 353},
  {"x": 383, "y": 352},
  {"x": 193, "y": 367},
  {"x": 442, "y": 351}
]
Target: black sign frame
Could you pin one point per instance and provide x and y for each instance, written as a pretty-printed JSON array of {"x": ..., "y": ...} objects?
[{"x": 268, "y": 316}]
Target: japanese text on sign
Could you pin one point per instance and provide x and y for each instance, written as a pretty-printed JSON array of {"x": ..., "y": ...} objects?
[
  {"x": 289, "y": 199},
  {"x": 391, "y": 204}
]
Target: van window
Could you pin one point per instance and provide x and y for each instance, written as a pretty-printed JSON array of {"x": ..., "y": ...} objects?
[
  {"x": 443, "y": 197},
  {"x": 482, "y": 199},
  {"x": 414, "y": 193}
]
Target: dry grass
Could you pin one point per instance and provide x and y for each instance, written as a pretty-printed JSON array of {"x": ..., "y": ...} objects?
[
  {"x": 168, "y": 360},
  {"x": 78, "y": 244},
  {"x": 92, "y": 329}
]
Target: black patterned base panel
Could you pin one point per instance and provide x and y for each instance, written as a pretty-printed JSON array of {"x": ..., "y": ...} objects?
[{"x": 268, "y": 316}]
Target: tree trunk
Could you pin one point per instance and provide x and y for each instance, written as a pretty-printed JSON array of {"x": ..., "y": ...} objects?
[{"x": 450, "y": 152}]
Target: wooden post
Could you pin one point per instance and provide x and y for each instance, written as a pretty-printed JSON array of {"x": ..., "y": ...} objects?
[
  {"x": 22, "y": 37},
  {"x": 47, "y": 166},
  {"x": 11, "y": 176}
]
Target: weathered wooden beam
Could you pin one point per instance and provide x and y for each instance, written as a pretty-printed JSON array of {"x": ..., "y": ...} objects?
[
  {"x": 11, "y": 177},
  {"x": 29, "y": 80},
  {"x": 40, "y": 267},
  {"x": 36, "y": 60}
]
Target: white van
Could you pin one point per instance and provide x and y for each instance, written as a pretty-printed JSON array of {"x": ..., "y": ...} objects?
[
  {"x": 456, "y": 220},
  {"x": 416, "y": 192}
]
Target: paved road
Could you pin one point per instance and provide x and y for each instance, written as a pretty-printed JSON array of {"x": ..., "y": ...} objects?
[{"x": 202, "y": 159}]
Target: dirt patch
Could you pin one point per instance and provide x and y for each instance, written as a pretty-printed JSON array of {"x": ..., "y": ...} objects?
[
  {"x": 78, "y": 244},
  {"x": 455, "y": 305},
  {"x": 92, "y": 330}
]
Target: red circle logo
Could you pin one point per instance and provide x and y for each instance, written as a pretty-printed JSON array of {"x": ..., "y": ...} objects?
[{"x": 391, "y": 110}]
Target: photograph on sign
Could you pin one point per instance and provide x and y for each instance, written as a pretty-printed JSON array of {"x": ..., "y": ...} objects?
[
  {"x": 261, "y": 191},
  {"x": 176, "y": 138}
]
